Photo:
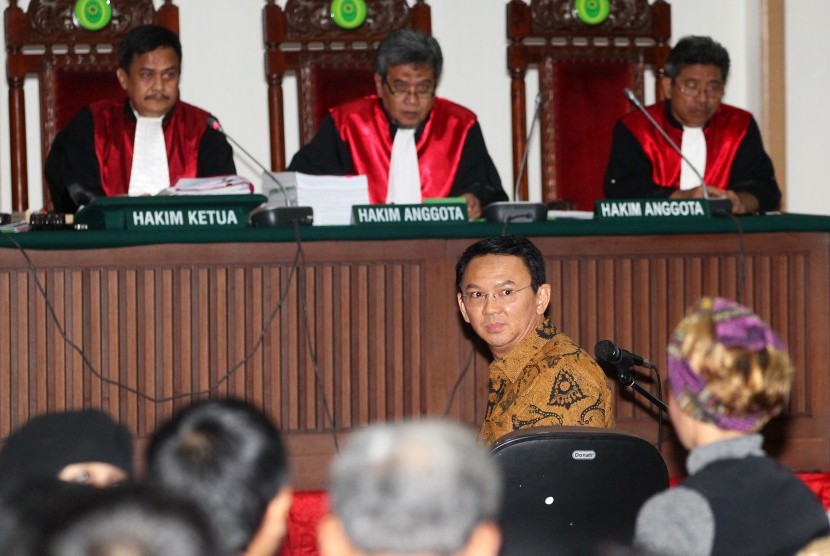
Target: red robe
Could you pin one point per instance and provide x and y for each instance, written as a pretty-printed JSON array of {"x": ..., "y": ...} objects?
[
  {"x": 724, "y": 133},
  {"x": 364, "y": 127},
  {"x": 114, "y": 125}
]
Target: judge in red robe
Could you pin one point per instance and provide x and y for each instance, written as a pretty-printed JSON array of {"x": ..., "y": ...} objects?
[
  {"x": 722, "y": 142},
  {"x": 449, "y": 156},
  {"x": 102, "y": 151}
]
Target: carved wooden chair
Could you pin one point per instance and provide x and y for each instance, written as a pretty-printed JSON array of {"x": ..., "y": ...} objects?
[
  {"x": 583, "y": 69},
  {"x": 73, "y": 64},
  {"x": 332, "y": 64}
]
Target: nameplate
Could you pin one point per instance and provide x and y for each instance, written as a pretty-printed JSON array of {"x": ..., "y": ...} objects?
[
  {"x": 650, "y": 208},
  {"x": 189, "y": 212},
  {"x": 431, "y": 213}
]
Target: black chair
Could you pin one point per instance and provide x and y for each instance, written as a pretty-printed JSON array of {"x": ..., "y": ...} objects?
[{"x": 568, "y": 489}]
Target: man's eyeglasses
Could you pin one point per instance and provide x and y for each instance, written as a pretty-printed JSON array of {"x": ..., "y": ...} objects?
[
  {"x": 505, "y": 296},
  {"x": 401, "y": 89},
  {"x": 713, "y": 89}
]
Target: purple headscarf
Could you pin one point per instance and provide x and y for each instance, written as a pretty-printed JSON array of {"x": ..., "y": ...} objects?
[{"x": 735, "y": 326}]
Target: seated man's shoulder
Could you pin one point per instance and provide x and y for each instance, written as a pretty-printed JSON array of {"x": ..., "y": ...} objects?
[
  {"x": 359, "y": 103},
  {"x": 446, "y": 106},
  {"x": 728, "y": 114},
  {"x": 562, "y": 343}
]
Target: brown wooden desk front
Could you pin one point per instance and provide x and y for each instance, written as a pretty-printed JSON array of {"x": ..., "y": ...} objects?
[{"x": 379, "y": 317}]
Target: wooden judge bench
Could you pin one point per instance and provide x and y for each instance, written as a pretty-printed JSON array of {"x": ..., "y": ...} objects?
[{"x": 361, "y": 323}]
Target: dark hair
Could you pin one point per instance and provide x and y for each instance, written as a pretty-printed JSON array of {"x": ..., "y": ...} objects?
[
  {"x": 408, "y": 46},
  {"x": 137, "y": 518},
  {"x": 504, "y": 245},
  {"x": 144, "y": 39},
  {"x": 228, "y": 458},
  {"x": 696, "y": 50}
]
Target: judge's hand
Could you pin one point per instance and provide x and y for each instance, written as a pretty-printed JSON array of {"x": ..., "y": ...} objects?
[
  {"x": 473, "y": 206},
  {"x": 742, "y": 203}
]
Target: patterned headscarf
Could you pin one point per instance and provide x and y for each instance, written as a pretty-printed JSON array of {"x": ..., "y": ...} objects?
[{"x": 735, "y": 326}]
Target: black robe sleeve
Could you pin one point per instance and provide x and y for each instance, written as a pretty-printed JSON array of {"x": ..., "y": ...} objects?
[
  {"x": 476, "y": 172},
  {"x": 752, "y": 171},
  {"x": 325, "y": 155},
  {"x": 215, "y": 155},
  {"x": 629, "y": 170},
  {"x": 72, "y": 166}
]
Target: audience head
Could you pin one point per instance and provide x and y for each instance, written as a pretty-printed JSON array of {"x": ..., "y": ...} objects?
[
  {"x": 501, "y": 290},
  {"x": 226, "y": 456},
  {"x": 694, "y": 79},
  {"x": 84, "y": 446},
  {"x": 133, "y": 521},
  {"x": 33, "y": 509},
  {"x": 726, "y": 368},
  {"x": 150, "y": 60},
  {"x": 412, "y": 488},
  {"x": 408, "y": 66}
]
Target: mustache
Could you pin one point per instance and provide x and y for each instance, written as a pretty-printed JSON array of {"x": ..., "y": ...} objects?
[{"x": 157, "y": 97}]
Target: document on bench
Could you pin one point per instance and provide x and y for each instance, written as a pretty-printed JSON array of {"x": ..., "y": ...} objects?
[
  {"x": 215, "y": 185},
  {"x": 331, "y": 197}
]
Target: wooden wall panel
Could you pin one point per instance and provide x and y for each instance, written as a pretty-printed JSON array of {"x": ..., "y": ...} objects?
[{"x": 172, "y": 323}]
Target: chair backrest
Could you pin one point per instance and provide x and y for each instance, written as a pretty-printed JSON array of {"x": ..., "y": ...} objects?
[
  {"x": 332, "y": 64},
  {"x": 583, "y": 68},
  {"x": 569, "y": 488},
  {"x": 74, "y": 66}
]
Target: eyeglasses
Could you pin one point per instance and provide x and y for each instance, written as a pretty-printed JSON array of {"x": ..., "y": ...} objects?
[
  {"x": 401, "y": 89},
  {"x": 505, "y": 296},
  {"x": 712, "y": 89}
]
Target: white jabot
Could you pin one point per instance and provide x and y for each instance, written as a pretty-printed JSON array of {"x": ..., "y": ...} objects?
[
  {"x": 404, "y": 175},
  {"x": 693, "y": 147},
  {"x": 149, "y": 173}
]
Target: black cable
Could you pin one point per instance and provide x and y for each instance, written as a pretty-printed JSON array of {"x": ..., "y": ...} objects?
[
  {"x": 741, "y": 258},
  {"x": 32, "y": 270},
  {"x": 312, "y": 351},
  {"x": 659, "y": 411},
  {"x": 458, "y": 380}
]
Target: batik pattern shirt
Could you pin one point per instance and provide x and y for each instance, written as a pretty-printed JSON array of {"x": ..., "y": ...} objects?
[{"x": 546, "y": 380}]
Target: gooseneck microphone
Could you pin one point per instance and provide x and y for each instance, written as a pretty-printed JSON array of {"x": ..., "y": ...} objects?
[
  {"x": 719, "y": 206},
  {"x": 268, "y": 214},
  {"x": 523, "y": 165},
  {"x": 519, "y": 211},
  {"x": 608, "y": 352}
]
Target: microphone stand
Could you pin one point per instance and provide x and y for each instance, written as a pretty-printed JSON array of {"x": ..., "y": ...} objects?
[
  {"x": 627, "y": 379},
  {"x": 508, "y": 212}
]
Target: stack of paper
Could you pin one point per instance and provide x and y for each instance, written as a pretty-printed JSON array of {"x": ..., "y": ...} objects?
[
  {"x": 217, "y": 185},
  {"x": 331, "y": 197}
]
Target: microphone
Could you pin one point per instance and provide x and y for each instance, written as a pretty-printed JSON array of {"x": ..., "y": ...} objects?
[
  {"x": 267, "y": 214},
  {"x": 79, "y": 195},
  {"x": 523, "y": 165},
  {"x": 607, "y": 352},
  {"x": 519, "y": 211},
  {"x": 720, "y": 206}
]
